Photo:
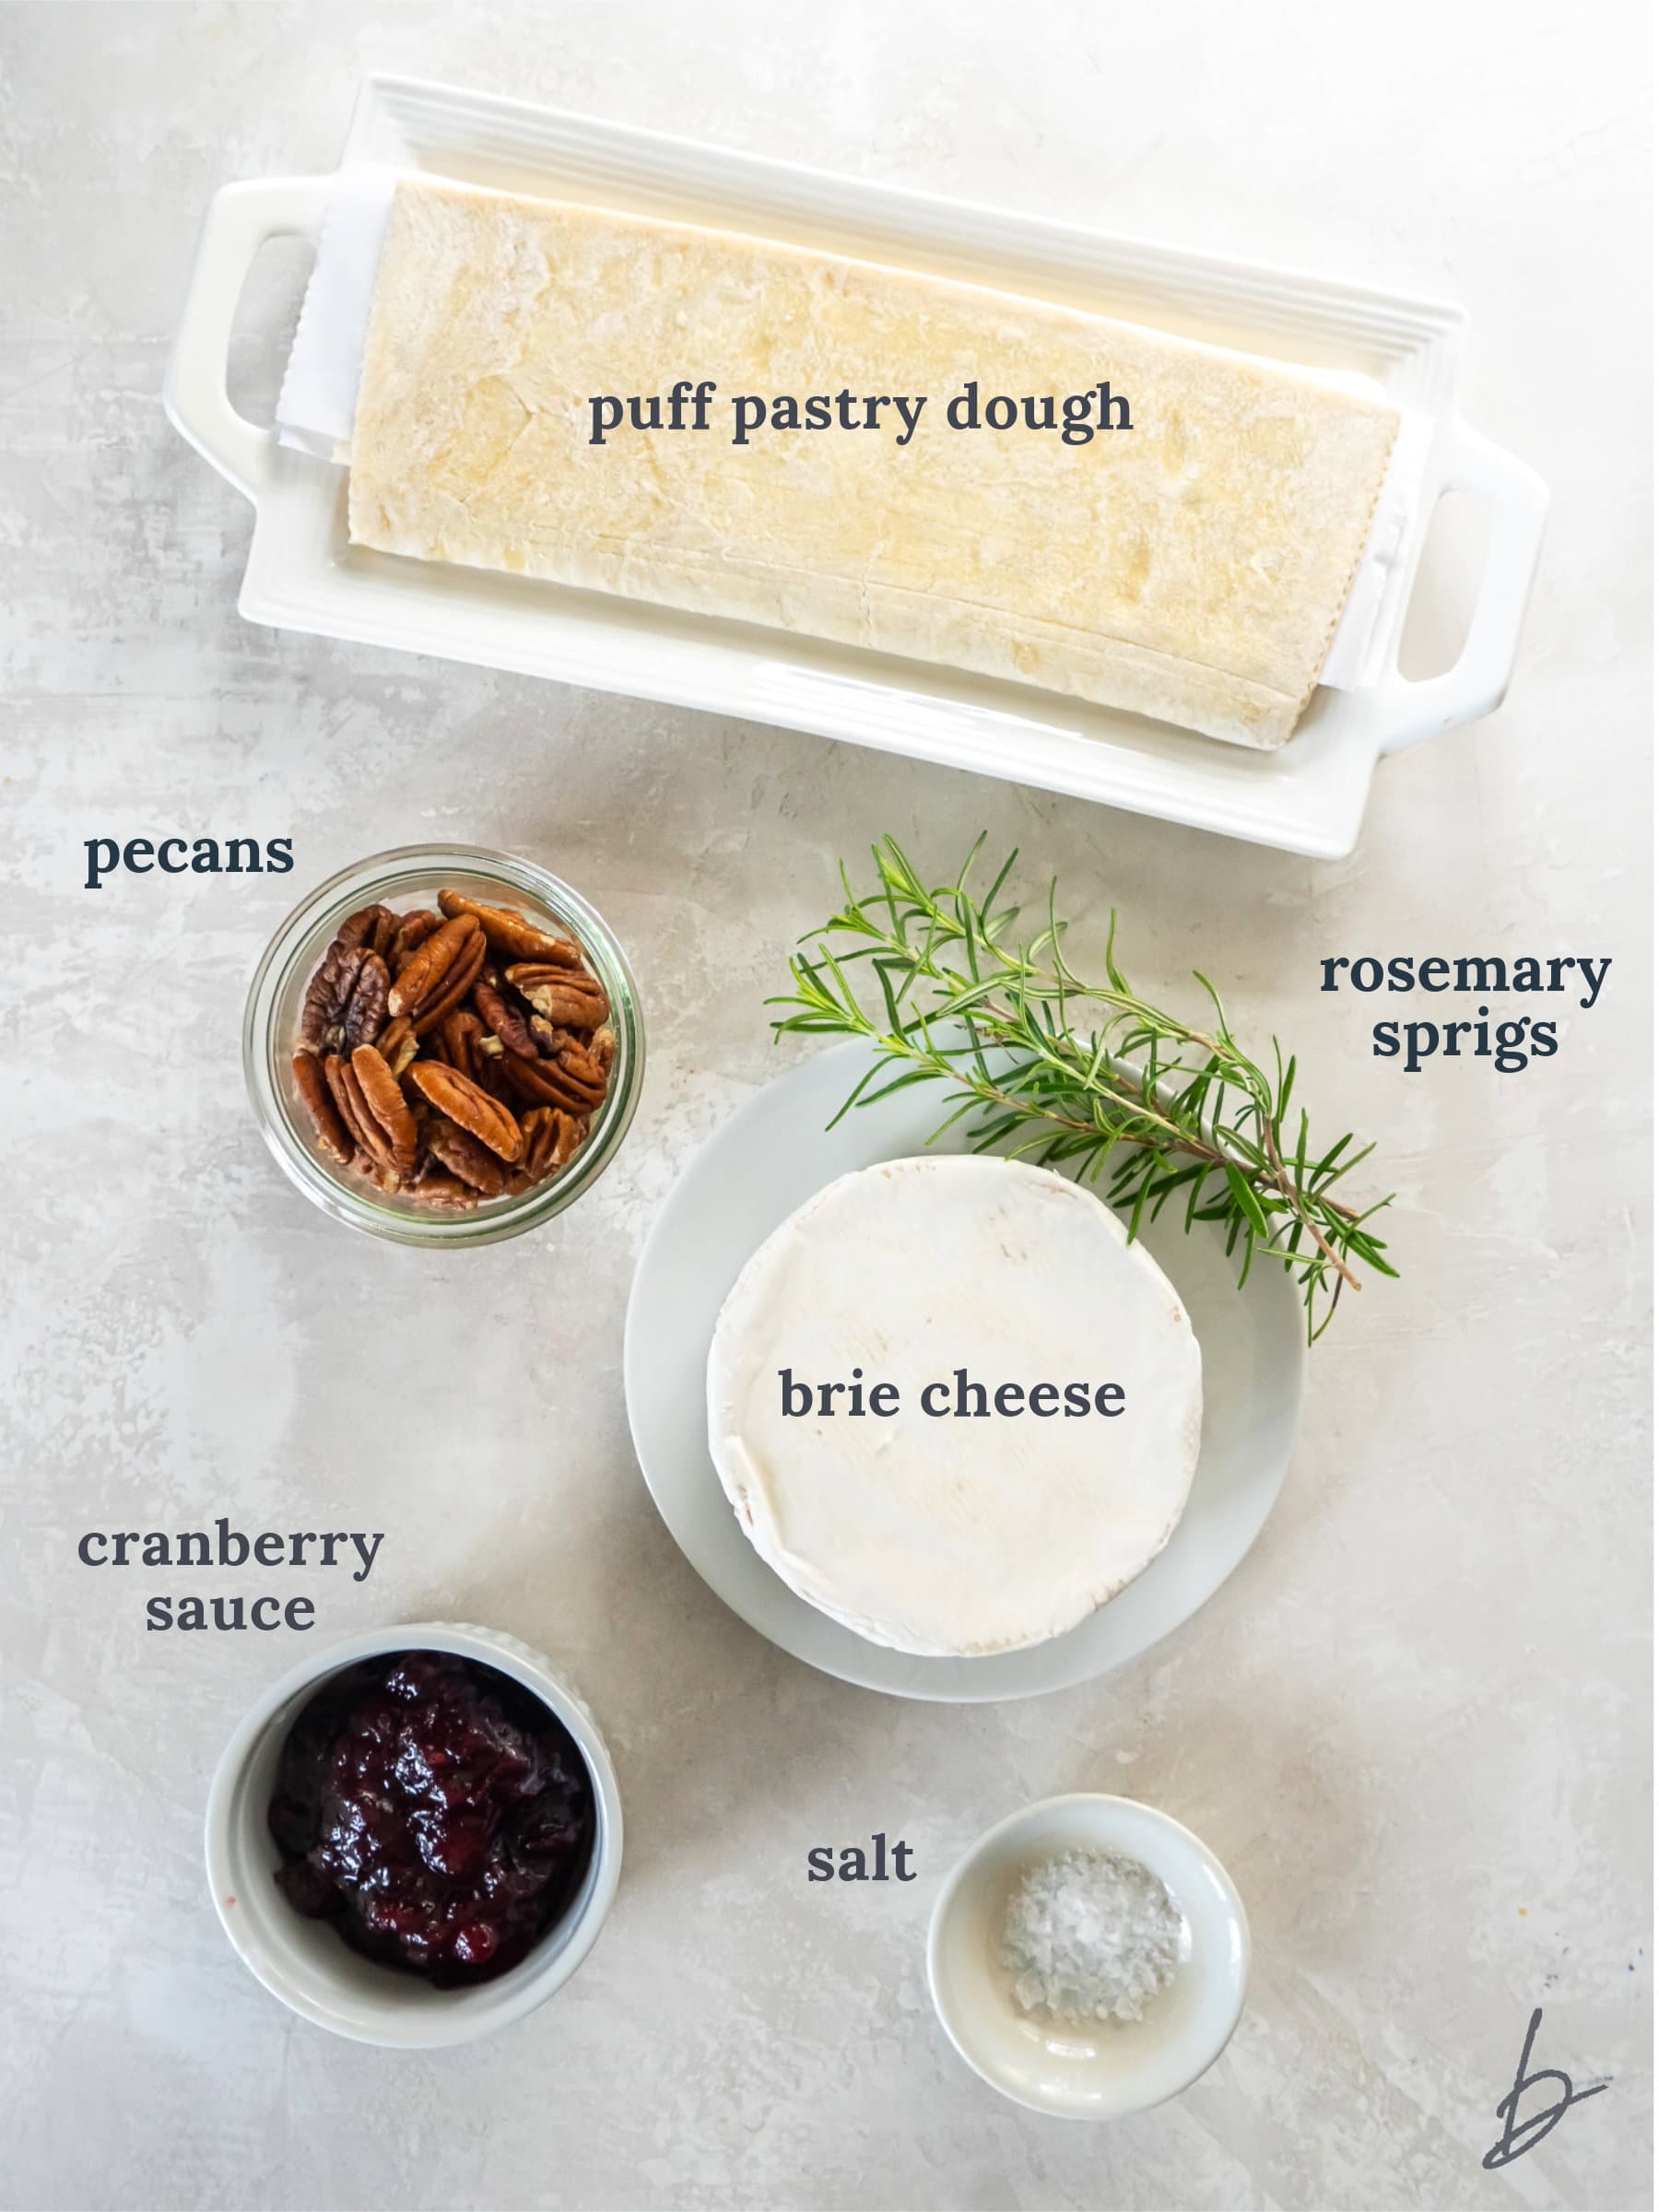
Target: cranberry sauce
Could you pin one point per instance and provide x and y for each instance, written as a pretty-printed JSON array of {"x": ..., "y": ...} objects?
[{"x": 435, "y": 1811}]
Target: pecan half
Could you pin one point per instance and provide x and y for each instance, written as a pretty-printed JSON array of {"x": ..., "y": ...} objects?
[
  {"x": 463, "y": 1155},
  {"x": 461, "y": 1040},
  {"x": 552, "y": 1138},
  {"x": 511, "y": 933},
  {"x": 454, "y": 1039},
  {"x": 541, "y": 1134},
  {"x": 470, "y": 1107},
  {"x": 547, "y": 1039},
  {"x": 382, "y": 1178},
  {"x": 371, "y": 926},
  {"x": 425, "y": 976},
  {"x": 489, "y": 1066},
  {"x": 313, "y": 1085},
  {"x": 327, "y": 995},
  {"x": 445, "y": 1190},
  {"x": 397, "y": 1044},
  {"x": 455, "y": 986},
  {"x": 412, "y": 932},
  {"x": 546, "y": 1083},
  {"x": 360, "y": 1123},
  {"x": 384, "y": 1100},
  {"x": 506, "y": 1021},
  {"x": 571, "y": 997},
  {"x": 583, "y": 1069},
  {"x": 365, "y": 1016}
]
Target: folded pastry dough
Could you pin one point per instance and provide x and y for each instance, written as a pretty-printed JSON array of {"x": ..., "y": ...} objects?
[{"x": 1191, "y": 568}]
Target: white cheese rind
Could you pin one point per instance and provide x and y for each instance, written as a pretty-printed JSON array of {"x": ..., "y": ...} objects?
[{"x": 955, "y": 1536}]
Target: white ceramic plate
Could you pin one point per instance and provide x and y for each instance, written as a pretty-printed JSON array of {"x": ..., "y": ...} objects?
[
  {"x": 770, "y": 1157},
  {"x": 1308, "y": 797}
]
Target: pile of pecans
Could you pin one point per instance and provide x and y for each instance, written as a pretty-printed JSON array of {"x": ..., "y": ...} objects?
[{"x": 455, "y": 1055}]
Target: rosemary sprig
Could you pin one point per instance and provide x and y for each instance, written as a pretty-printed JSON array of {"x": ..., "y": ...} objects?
[{"x": 1106, "y": 1085}]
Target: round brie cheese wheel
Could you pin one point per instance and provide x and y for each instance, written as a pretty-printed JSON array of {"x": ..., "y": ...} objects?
[{"x": 936, "y": 1528}]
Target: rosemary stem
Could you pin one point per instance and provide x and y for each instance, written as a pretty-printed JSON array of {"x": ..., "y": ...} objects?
[{"x": 1184, "y": 1107}]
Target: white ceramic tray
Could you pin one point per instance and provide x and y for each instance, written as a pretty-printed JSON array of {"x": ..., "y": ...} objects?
[{"x": 1307, "y": 797}]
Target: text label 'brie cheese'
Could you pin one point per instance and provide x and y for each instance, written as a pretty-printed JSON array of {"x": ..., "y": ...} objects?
[{"x": 967, "y": 1400}]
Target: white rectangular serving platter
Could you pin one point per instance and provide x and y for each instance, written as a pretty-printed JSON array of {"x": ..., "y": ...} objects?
[{"x": 1308, "y": 796}]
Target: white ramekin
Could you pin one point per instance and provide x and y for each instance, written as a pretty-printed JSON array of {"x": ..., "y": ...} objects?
[
  {"x": 1096, "y": 2070},
  {"x": 305, "y": 1962}
]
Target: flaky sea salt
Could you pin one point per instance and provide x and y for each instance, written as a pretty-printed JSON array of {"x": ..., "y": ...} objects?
[{"x": 1091, "y": 1937}]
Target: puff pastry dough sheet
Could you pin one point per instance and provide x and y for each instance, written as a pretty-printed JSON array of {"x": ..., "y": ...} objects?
[{"x": 1191, "y": 568}]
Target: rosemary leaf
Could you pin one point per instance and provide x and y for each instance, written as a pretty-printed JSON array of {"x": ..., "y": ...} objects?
[{"x": 1134, "y": 1100}]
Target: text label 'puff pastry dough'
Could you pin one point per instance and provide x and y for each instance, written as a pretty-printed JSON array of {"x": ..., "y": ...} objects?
[{"x": 1192, "y": 568}]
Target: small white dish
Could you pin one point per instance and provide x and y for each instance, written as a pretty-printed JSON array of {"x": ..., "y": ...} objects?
[
  {"x": 305, "y": 1962},
  {"x": 752, "y": 1174},
  {"x": 1099, "y": 2070}
]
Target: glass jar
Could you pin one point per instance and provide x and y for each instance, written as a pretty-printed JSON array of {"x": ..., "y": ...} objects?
[{"x": 412, "y": 876}]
